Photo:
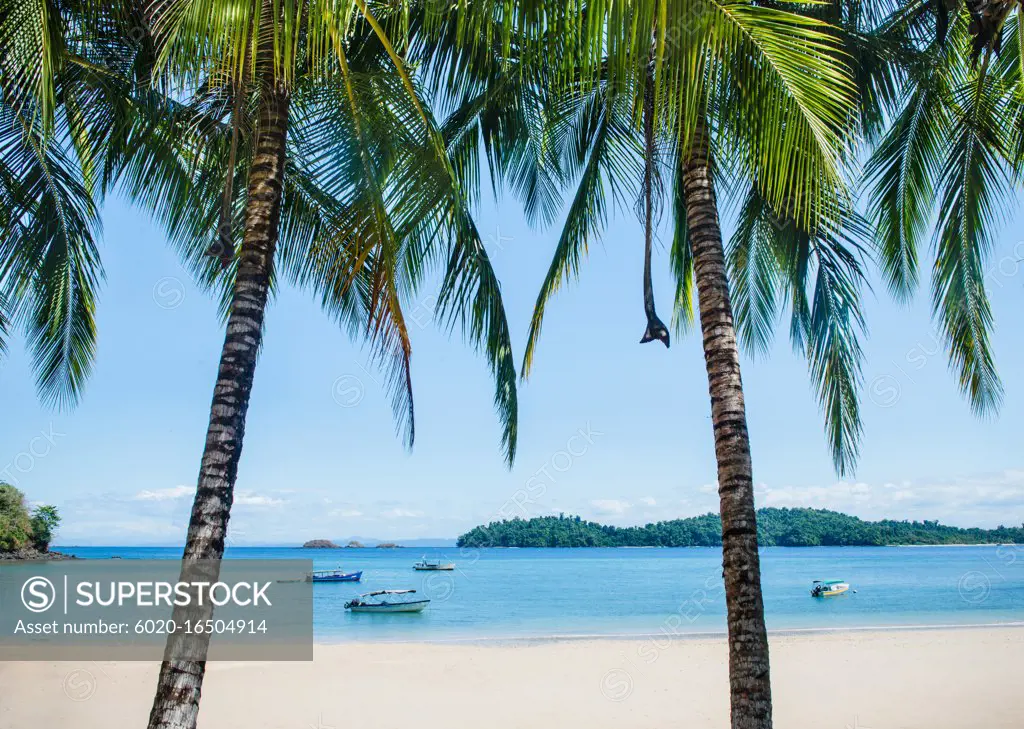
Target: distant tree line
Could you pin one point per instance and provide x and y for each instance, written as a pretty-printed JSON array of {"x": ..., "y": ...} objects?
[
  {"x": 21, "y": 528},
  {"x": 775, "y": 528}
]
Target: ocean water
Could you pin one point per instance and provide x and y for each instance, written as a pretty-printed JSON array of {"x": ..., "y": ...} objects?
[{"x": 519, "y": 594}]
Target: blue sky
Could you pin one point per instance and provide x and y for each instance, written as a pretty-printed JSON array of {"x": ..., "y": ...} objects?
[{"x": 609, "y": 429}]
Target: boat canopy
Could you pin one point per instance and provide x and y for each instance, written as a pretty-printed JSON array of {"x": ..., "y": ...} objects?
[
  {"x": 827, "y": 582},
  {"x": 386, "y": 592}
]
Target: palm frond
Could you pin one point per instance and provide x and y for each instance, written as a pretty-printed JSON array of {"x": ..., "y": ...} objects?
[
  {"x": 784, "y": 96},
  {"x": 32, "y": 51},
  {"x": 971, "y": 184},
  {"x": 608, "y": 154},
  {"x": 49, "y": 265},
  {"x": 902, "y": 174},
  {"x": 681, "y": 258},
  {"x": 755, "y": 273},
  {"x": 5, "y": 325},
  {"x": 836, "y": 326},
  {"x": 770, "y": 259}
]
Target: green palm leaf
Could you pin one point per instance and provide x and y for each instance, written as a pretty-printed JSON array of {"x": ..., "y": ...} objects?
[
  {"x": 608, "y": 155},
  {"x": 973, "y": 180},
  {"x": 49, "y": 264}
]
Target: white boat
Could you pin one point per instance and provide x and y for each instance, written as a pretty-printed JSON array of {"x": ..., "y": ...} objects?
[
  {"x": 382, "y": 601},
  {"x": 829, "y": 588},
  {"x": 425, "y": 565}
]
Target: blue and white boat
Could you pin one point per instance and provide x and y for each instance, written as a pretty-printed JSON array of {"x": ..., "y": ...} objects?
[
  {"x": 333, "y": 576},
  {"x": 386, "y": 601}
]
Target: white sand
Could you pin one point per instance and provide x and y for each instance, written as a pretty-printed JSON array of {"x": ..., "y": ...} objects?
[{"x": 930, "y": 679}]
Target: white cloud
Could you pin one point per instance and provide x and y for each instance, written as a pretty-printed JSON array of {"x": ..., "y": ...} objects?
[
  {"x": 398, "y": 513},
  {"x": 348, "y": 513},
  {"x": 247, "y": 498},
  {"x": 980, "y": 500},
  {"x": 168, "y": 494},
  {"x": 607, "y": 507},
  {"x": 983, "y": 500},
  {"x": 242, "y": 498}
]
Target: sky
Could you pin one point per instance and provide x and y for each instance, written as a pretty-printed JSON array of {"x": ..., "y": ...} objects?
[{"x": 609, "y": 429}]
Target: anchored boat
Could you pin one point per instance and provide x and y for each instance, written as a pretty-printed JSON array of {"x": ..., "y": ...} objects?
[
  {"x": 829, "y": 588},
  {"x": 333, "y": 576},
  {"x": 425, "y": 565},
  {"x": 384, "y": 601}
]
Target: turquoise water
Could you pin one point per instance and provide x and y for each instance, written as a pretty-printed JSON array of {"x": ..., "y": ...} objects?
[{"x": 540, "y": 593}]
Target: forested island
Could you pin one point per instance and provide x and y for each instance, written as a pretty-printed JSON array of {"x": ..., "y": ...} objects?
[
  {"x": 25, "y": 533},
  {"x": 775, "y": 528}
]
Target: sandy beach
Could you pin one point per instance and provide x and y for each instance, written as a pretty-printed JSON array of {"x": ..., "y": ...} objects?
[{"x": 906, "y": 679}]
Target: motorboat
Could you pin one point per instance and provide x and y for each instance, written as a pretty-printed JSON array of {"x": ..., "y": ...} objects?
[
  {"x": 829, "y": 588},
  {"x": 333, "y": 576},
  {"x": 426, "y": 565},
  {"x": 386, "y": 601}
]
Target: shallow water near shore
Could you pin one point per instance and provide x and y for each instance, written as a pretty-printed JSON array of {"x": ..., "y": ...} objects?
[{"x": 511, "y": 594}]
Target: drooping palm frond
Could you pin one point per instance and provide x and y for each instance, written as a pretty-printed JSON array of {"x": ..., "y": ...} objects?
[
  {"x": 902, "y": 173},
  {"x": 1011, "y": 68},
  {"x": 385, "y": 325},
  {"x": 973, "y": 180},
  {"x": 772, "y": 261},
  {"x": 603, "y": 151},
  {"x": 950, "y": 150},
  {"x": 755, "y": 273},
  {"x": 68, "y": 73},
  {"x": 5, "y": 326},
  {"x": 49, "y": 264},
  {"x": 834, "y": 353},
  {"x": 470, "y": 295}
]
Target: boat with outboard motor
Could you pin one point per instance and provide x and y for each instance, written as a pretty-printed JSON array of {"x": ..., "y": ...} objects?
[
  {"x": 829, "y": 588},
  {"x": 333, "y": 576},
  {"x": 383, "y": 601}
]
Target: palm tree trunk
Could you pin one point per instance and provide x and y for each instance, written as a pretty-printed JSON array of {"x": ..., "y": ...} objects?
[
  {"x": 176, "y": 704},
  {"x": 750, "y": 687}
]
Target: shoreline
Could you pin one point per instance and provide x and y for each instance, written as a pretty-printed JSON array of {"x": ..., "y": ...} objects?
[
  {"x": 346, "y": 548},
  {"x": 709, "y": 635},
  {"x": 34, "y": 555}
]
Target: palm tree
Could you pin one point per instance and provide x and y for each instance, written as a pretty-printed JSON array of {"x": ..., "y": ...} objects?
[
  {"x": 734, "y": 89},
  {"x": 332, "y": 173},
  {"x": 361, "y": 201}
]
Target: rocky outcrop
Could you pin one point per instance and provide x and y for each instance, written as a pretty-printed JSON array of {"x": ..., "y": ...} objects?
[
  {"x": 34, "y": 555},
  {"x": 320, "y": 544}
]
